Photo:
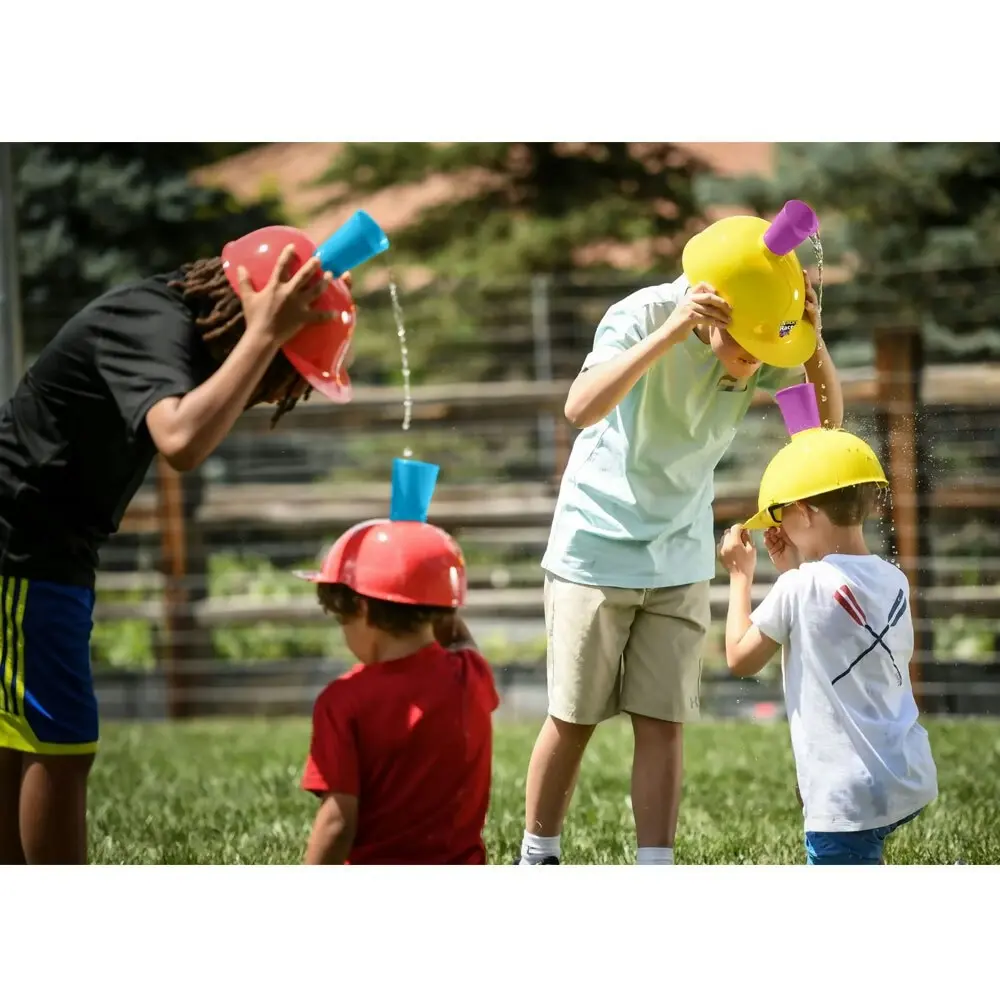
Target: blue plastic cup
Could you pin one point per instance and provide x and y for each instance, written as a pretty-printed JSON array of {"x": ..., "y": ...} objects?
[
  {"x": 412, "y": 489},
  {"x": 358, "y": 240}
]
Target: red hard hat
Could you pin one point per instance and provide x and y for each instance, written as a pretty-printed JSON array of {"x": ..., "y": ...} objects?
[
  {"x": 407, "y": 562},
  {"x": 318, "y": 351}
]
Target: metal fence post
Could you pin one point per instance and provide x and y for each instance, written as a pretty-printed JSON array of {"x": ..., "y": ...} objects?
[{"x": 541, "y": 327}]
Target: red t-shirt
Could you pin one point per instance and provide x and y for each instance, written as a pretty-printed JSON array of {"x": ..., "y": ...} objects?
[{"x": 413, "y": 740}]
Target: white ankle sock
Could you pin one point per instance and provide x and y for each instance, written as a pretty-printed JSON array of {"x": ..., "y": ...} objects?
[
  {"x": 655, "y": 856},
  {"x": 534, "y": 846}
]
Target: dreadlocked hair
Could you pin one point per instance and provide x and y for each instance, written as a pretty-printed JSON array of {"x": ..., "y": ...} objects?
[{"x": 219, "y": 319}]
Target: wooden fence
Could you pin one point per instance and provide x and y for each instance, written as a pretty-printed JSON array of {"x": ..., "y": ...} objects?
[{"x": 899, "y": 388}]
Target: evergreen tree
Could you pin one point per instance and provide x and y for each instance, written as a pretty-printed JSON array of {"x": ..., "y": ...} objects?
[
  {"x": 529, "y": 207},
  {"x": 91, "y": 215},
  {"x": 917, "y": 222},
  {"x": 513, "y": 212}
]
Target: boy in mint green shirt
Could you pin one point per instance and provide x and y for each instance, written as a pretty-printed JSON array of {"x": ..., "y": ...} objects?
[{"x": 631, "y": 551}]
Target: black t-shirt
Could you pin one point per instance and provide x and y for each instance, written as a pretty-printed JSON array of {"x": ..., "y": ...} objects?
[{"x": 74, "y": 446}]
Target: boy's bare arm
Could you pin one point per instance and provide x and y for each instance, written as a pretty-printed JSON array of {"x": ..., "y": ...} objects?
[
  {"x": 748, "y": 650},
  {"x": 187, "y": 429},
  {"x": 820, "y": 369},
  {"x": 597, "y": 391},
  {"x": 822, "y": 372},
  {"x": 333, "y": 830},
  {"x": 451, "y": 632}
]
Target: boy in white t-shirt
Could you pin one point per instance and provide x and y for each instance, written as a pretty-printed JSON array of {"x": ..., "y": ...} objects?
[{"x": 841, "y": 617}]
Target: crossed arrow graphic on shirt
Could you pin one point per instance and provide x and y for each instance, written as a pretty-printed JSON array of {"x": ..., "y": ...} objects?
[{"x": 846, "y": 599}]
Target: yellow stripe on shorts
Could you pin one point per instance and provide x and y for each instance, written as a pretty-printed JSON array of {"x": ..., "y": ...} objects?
[
  {"x": 6, "y": 695},
  {"x": 15, "y": 599}
]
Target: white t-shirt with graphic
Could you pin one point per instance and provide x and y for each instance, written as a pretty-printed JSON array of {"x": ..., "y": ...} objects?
[{"x": 863, "y": 760}]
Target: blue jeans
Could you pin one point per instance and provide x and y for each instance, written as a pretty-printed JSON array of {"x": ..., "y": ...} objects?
[{"x": 856, "y": 847}]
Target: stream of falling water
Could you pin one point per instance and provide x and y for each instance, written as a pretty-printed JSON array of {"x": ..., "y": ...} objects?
[
  {"x": 404, "y": 357},
  {"x": 817, "y": 245}
]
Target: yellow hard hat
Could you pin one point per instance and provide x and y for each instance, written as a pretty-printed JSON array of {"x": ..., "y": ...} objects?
[
  {"x": 816, "y": 460},
  {"x": 752, "y": 264}
]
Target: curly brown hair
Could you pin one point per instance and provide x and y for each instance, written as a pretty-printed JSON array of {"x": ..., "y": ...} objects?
[
  {"x": 344, "y": 604},
  {"x": 219, "y": 319}
]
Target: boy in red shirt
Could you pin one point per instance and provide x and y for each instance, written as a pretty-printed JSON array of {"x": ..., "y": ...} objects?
[{"x": 401, "y": 750}]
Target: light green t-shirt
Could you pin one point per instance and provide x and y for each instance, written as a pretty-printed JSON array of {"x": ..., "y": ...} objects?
[{"x": 635, "y": 504}]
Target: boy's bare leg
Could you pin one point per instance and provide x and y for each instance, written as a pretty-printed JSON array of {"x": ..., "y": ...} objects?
[
  {"x": 661, "y": 690},
  {"x": 552, "y": 774},
  {"x": 11, "y": 763},
  {"x": 657, "y": 770},
  {"x": 588, "y": 629},
  {"x": 54, "y": 809}
]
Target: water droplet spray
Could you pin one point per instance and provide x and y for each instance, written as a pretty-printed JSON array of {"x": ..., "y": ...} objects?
[
  {"x": 817, "y": 245},
  {"x": 404, "y": 356}
]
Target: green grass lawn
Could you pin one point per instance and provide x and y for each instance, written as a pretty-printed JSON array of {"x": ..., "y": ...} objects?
[{"x": 227, "y": 793}]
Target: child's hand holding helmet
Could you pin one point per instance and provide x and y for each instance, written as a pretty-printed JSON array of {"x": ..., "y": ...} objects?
[
  {"x": 704, "y": 307},
  {"x": 811, "y": 310},
  {"x": 781, "y": 551},
  {"x": 287, "y": 302},
  {"x": 737, "y": 552},
  {"x": 701, "y": 306}
]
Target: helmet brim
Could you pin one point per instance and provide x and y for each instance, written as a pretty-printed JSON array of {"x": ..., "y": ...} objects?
[
  {"x": 792, "y": 350},
  {"x": 336, "y": 388},
  {"x": 761, "y": 521}
]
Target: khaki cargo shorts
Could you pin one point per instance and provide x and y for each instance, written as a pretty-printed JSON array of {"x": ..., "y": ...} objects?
[{"x": 613, "y": 650}]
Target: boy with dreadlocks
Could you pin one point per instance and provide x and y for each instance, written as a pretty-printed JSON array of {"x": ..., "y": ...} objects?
[{"x": 167, "y": 365}]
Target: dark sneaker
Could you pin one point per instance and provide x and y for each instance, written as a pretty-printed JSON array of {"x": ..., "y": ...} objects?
[{"x": 540, "y": 859}]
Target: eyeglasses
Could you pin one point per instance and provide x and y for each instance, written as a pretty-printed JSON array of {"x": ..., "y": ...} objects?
[{"x": 776, "y": 510}]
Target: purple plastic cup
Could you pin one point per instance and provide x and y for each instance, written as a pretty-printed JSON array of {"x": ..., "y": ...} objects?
[
  {"x": 799, "y": 407},
  {"x": 794, "y": 224}
]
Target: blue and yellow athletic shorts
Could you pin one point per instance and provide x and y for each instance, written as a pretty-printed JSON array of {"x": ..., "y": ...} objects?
[{"x": 47, "y": 701}]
